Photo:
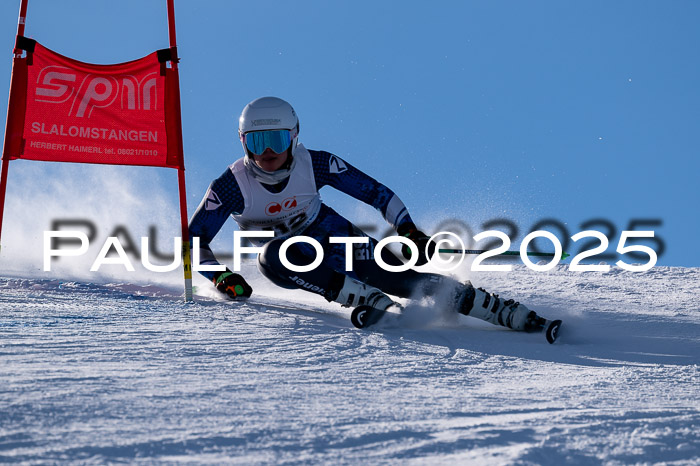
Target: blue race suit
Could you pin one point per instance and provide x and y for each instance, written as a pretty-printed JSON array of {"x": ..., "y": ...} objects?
[{"x": 236, "y": 193}]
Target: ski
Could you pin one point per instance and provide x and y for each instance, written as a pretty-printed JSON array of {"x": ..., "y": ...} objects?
[
  {"x": 552, "y": 330},
  {"x": 540, "y": 324},
  {"x": 366, "y": 316}
]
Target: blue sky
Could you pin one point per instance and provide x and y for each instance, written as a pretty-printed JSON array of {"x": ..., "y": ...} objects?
[{"x": 472, "y": 110}]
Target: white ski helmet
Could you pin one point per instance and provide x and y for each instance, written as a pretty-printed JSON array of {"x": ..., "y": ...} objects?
[{"x": 265, "y": 114}]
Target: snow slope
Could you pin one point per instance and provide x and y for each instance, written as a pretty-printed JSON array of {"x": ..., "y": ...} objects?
[{"x": 118, "y": 372}]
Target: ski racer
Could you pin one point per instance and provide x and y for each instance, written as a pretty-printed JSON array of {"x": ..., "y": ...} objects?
[{"x": 275, "y": 187}]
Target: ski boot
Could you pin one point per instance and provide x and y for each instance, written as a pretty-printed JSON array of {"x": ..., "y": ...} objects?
[
  {"x": 370, "y": 303},
  {"x": 507, "y": 313}
]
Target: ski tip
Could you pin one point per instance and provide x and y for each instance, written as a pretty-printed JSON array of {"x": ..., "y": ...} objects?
[
  {"x": 552, "y": 331},
  {"x": 360, "y": 316},
  {"x": 364, "y": 316}
]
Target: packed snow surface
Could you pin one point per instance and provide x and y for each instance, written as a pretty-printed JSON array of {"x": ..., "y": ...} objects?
[{"x": 126, "y": 372}]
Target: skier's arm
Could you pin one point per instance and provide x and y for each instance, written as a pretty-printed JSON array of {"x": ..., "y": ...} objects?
[
  {"x": 222, "y": 199},
  {"x": 333, "y": 171}
]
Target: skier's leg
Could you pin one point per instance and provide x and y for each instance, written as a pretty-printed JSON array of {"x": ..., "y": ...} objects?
[
  {"x": 490, "y": 307},
  {"x": 461, "y": 296},
  {"x": 323, "y": 280},
  {"x": 329, "y": 279},
  {"x": 363, "y": 284},
  {"x": 406, "y": 284},
  {"x": 317, "y": 281}
]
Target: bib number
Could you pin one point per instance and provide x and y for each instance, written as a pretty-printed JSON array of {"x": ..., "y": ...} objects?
[{"x": 288, "y": 226}]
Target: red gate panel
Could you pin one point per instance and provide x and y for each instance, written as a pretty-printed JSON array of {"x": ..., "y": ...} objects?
[{"x": 71, "y": 111}]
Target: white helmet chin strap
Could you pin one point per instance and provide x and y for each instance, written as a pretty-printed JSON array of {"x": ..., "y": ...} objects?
[{"x": 274, "y": 177}]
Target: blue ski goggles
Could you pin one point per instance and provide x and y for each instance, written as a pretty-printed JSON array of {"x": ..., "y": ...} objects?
[{"x": 278, "y": 140}]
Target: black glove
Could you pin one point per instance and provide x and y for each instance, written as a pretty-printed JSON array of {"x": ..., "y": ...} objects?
[
  {"x": 410, "y": 231},
  {"x": 232, "y": 285}
]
